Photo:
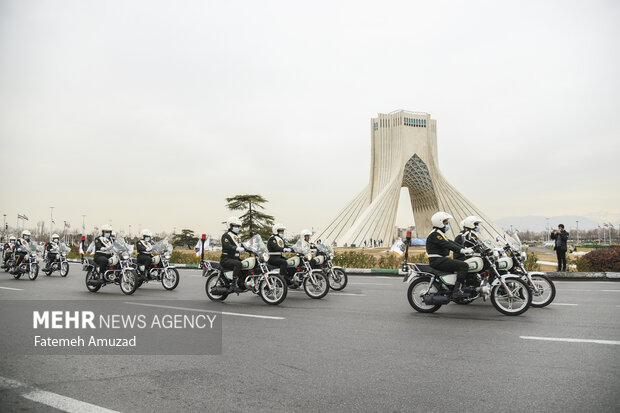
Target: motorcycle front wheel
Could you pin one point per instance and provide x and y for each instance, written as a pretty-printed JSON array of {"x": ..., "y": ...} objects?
[
  {"x": 543, "y": 291},
  {"x": 214, "y": 280},
  {"x": 34, "y": 272},
  {"x": 64, "y": 269},
  {"x": 415, "y": 292},
  {"x": 90, "y": 276},
  {"x": 337, "y": 279},
  {"x": 129, "y": 282},
  {"x": 275, "y": 294},
  {"x": 318, "y": 289},
  {"x": 170, "y": 279},
  {"x": 517, "y": 304}
]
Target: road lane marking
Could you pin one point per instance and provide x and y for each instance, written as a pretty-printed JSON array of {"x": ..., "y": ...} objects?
[
  {"x": 368, "y": 284},
  {"x": 200, "y": 310},
  {"x": 572, "y": 340},
  {"x": 330, "y": 293},
  {"x": 64, "y": 403},
  {"x": 14, "y": 289},
  {"x": 54, "y": 400},
  {"x": 615, "y": 291},
  {"x": 562, "y": 304},
  {"x": 9, "y": 384}
]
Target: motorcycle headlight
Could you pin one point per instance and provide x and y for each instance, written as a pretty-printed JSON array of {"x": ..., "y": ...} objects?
[
  {"x": 265, "y": 256},
  {"x": 524, "y": 256},
  {"x": 125, "y": 256},
  {"x": 167, "y": 256},
  {"x": 331, "y": 256},
  {"x": 495, "y": 254},
  {"x": 309, "y": 256}
]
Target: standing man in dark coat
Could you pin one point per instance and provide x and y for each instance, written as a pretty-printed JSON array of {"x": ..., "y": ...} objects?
[{"x": 561, "y": 237}]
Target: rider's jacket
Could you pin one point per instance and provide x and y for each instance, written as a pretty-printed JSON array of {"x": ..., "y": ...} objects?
[
  {"x": 466, "y": 239},
  {"x": 144, "y": 247},
  {"x": 51, "y": 247},
  {"x": 8, "y": 246},
  {"x": 100, "y": 244},
  {"x": 21, "y": 244},
  {"x": 437, "y": 245},
  {"x": 275, "y": 245},
  {"x": 230, "y": 242}
]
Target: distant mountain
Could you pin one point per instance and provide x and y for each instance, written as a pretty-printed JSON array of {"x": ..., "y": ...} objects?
[{"x": 539, "y": 223}]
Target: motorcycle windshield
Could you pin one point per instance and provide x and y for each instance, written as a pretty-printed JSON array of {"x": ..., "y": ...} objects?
[
  {"x": 302, "y": 247},
  {"x": 63, "y": 248},
  {"x": 120, "y": 245},
  {"x": 325, "y": 249},
  {"x": 32, "y": 247},
  {"x": 255, "y": 245},
  {"x": 163, "y": 247}
]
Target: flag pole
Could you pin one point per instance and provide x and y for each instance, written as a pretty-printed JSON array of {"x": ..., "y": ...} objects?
[
  {"x": 202, "y": 253},
  {"x": 408, "y": 241}
]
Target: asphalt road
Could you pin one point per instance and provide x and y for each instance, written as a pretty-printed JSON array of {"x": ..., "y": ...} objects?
[{"x": 365, "y": 349}]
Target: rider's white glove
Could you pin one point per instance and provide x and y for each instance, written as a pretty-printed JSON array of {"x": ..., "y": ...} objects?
[
  {"x": 467, "y": 251},
  {"x": 240, "y": 249},
  {"x": 286, "y": 250}
]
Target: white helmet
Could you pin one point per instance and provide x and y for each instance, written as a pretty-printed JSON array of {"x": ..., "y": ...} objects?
[
  {"x": 278, "y": 227},
  {"x": 233, "y": 221},
  {"x": 471, "y": 221},
  {"x": 462, "y": 224},
  {"x": 438, "y": 218},
  {"x": 55, "y": 236},
  {"x": 12, "y": 238},
  {"x": 146, "y": 233},
  {"x": 106, "y": 228},
  {"x": 305, "y": 232},
  {"x": 25, "y": 232}
]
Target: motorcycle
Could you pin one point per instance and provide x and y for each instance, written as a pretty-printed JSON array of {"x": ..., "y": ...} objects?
[
  {"x": 513, "y": 258},
  {"x": 161, "y": 269},
  {"x": 120, "y": 270},
  {"x": 60, "y": 263},
  {"x": 30, "y": 263},
  {"x": 10, "y": 262},
  {"x": 324, "y": 260},
  {"x": 271, "y": 286},
  {"x": 429, "y": 288},
  {"x": 315, "y": 281}
]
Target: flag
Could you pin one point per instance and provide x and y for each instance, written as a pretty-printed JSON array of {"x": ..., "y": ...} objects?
[
  {"x": 398, "y": 248},
  {"x": 198, "y": 246},
  {"x": 21, "y": 216},
  {"x": 81, "y": 248},
  {"x": 67, "y": 225},
  {"x": 91, "y": 248}
]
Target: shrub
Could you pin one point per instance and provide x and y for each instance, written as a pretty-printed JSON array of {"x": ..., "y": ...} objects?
[
  {"x": 530, "y": 264},
  {"x": 389, "y": 261},
  {"x": 605, "y": 260},
  {"x": 353, "y": 259}
]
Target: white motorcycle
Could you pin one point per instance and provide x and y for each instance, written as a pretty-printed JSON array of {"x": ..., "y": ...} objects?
[
  {"x": 324, "y": 261},
  {"x": 315, "y": 281},
  {"x": 30, "y": 263},
  {"x": 270, "y": 285},
  {"x": 60, "y": 263},
  {"x": 161, "y": 269},
  {"x": 119, "y": 270},
  {"x": 513, "y": 259},
  {"x": 429, "y": 288}
]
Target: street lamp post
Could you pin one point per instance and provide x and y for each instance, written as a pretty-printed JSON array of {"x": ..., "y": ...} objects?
[
  {"x": 577, "y": 230},
  {"x": 51, "y": 219},
  {"x": 547, "y": 228}
]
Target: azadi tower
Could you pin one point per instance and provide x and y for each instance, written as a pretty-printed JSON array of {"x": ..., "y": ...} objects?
[{"x": 403, "y": 154}]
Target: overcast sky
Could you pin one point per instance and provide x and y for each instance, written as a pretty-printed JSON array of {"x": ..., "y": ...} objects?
[{"x": 151, "y": 113}]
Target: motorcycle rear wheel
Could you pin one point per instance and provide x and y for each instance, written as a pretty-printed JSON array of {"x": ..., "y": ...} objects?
[
  {"x": 518, "y": 304},
  {"x": 214, "y": 280},
  {"x": 318, "y": 290},
  {"x": 546, "y": 291},
  {"x": 338, "y": 279},
  {"x": 414, "y": 295},
  {"x": 90, "y": 275}
]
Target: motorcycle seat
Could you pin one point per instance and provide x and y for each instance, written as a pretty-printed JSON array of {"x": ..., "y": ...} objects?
[{"x": 428, "y": 269}]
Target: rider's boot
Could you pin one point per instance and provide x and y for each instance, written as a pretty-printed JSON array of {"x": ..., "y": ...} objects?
[
  {"x": 458, "y": 292},
  {"x": 237, "y": 285}
]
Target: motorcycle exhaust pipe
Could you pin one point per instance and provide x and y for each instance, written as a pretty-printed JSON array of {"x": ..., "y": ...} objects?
[
  {"x": 435, "y": 299},
  {"x": 219, "y": 290}
]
